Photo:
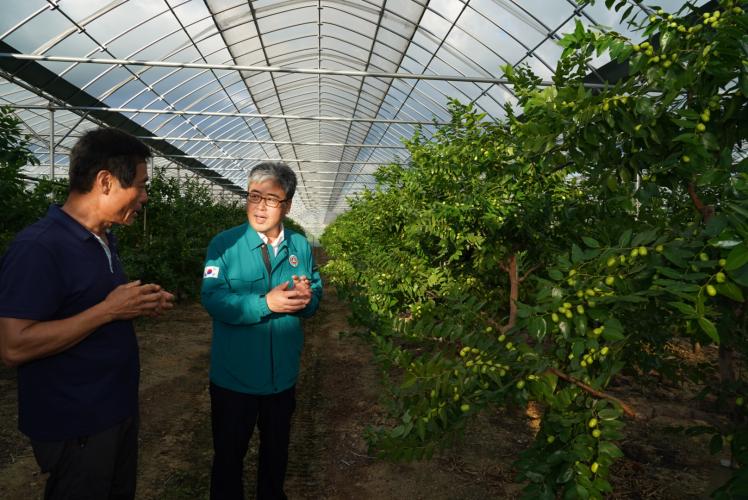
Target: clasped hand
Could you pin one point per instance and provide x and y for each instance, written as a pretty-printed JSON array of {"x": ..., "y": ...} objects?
[{"x": 281, "y": 299}]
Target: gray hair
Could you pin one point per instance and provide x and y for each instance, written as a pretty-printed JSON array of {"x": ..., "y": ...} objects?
[{"x": 275, "y": 171}]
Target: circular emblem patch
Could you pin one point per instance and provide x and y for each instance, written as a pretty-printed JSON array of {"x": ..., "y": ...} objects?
[{"x": 293, "y": 260}]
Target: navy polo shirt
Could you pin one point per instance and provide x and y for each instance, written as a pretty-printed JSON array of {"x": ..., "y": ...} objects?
[{"x": 54, "y": 269}]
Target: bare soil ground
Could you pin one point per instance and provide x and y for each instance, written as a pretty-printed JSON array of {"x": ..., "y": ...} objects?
[{"x": 338, "y": 396}]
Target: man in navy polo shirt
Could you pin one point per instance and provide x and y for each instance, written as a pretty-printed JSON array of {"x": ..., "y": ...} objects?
[{"x": 65, "y": 322}]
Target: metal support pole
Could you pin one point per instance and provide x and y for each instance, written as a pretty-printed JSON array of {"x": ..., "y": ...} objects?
[{"x": 52, "y": 140}]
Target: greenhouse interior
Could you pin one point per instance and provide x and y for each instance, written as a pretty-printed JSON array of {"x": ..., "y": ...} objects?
[
  {"x": 331, "y": 88},
  {"x": 529, "y": 219}
]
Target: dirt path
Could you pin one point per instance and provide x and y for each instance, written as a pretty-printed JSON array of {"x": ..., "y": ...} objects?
[{"x": 338, "y": 396}]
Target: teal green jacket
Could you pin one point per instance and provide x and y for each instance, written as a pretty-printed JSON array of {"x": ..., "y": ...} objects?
[{"x": 254, "y": 350}]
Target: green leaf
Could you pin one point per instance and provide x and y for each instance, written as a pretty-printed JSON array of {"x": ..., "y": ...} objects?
[
  {"x": 565, "y": 475},
  {"x": 580, "y": 324},
  {"x": 716, "y": 225},
  {"x": 688, "y": 138},
  {"x": 625, "y": 238},
  {"x": 644, "y": 238},
  {"x": 410, "y": 380},
  {"x": 609, "y": 449},
  {"x": 709, "y": 329},
  {"x": 534, "y": 476},
  {"x": 676, "y": 256},
  {"x": 576, "y": 492},
  {"x": 710, "y": 141},
  {"x": 578, "y": 347},
  {"x": 578, "y": 30},
  {"x": 537, "y": 327},
  {"x": 555, "y": 274},
  {"x": 684, "y": 308},
  {"x": 523, "y": 310},
  {"x": 625, "y": 175},
  {"x": 590, "y": 242},
  {"x": 737, "y": 258},
  {"x": 676, "y": 286},
  {"x": 557, "y": 457},
  {"x": 609, "y": 414},
  {"x": 740, "y": 276},
  {"x": 613, "y": 330},
  {"x": 670, "y": 273},
  {"x": 644, "y": 106},
  {"x": 612, "y": 183},
  {"x": 724, "y": 243},
  {"x": 421, "y": 429},
  {"x": 683, "y": 123},
  {"x": 731, "y": 291},
  {"x": 600, "y": 483},
  {"x": 576, "y": 254}
]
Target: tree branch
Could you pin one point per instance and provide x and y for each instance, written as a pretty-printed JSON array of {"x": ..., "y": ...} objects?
[
  {"x": 529, "y": 271},
  {"x": 511, "y": 269},
  {"x": 598, "y": 394},
  {"x": 707, "y": 211}
]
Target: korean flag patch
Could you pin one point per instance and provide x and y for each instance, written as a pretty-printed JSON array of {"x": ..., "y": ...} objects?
[{"x": 210, "y": 272}]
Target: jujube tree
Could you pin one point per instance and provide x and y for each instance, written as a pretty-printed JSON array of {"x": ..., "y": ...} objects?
[{"x": 533, "y": 258}]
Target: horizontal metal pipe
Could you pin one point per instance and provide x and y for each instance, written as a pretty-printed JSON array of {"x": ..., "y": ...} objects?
[
  {"x": 283, "y": 143},
  {"x": 264, "y": 158},
  {"x": 261, "y": 158},
  {"x": 251, "y": 141},
  {"x": 268, "y": 69},
  {"x": 305, "y": 173},
  {"x": 228, "y": 114}
]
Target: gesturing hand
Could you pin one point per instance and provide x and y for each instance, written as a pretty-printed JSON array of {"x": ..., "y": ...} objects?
[
  {"x": 282, "y": 300},
  {"x": 303, "y": 285},
  {"x": 165, "y": 302},
  {"x": 133, "y": 299}
]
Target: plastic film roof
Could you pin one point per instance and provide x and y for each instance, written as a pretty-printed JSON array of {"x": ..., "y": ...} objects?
[{"x": 216, "y": 86}]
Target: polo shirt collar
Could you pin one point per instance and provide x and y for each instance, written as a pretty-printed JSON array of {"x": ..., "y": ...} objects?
[{"x": 56, "y": 213}]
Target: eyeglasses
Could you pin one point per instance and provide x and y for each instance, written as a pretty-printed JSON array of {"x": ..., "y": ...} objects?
[{"x": 270, "y": 202}]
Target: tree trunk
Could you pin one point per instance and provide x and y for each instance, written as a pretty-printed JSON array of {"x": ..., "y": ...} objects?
[{"x": 726, "y": 365}]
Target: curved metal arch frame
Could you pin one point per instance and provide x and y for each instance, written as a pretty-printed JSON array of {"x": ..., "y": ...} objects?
[
  {"x": 207, "y": 173},
  {"x": 344, "y": 88},
  {"x": 222, "y": 91},
  {"x": 148, "y": 87},
  {"x": 528, "y": 53},
  {"x": 372, "y": 51}
]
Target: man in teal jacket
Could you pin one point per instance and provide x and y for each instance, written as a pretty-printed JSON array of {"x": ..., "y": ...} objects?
[{"x": 259, "y": 282}]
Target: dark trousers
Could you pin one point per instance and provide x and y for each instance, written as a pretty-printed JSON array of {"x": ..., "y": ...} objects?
[
  {"x": 233, "y": 418},
  {"x": 95, "y": 467}
]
